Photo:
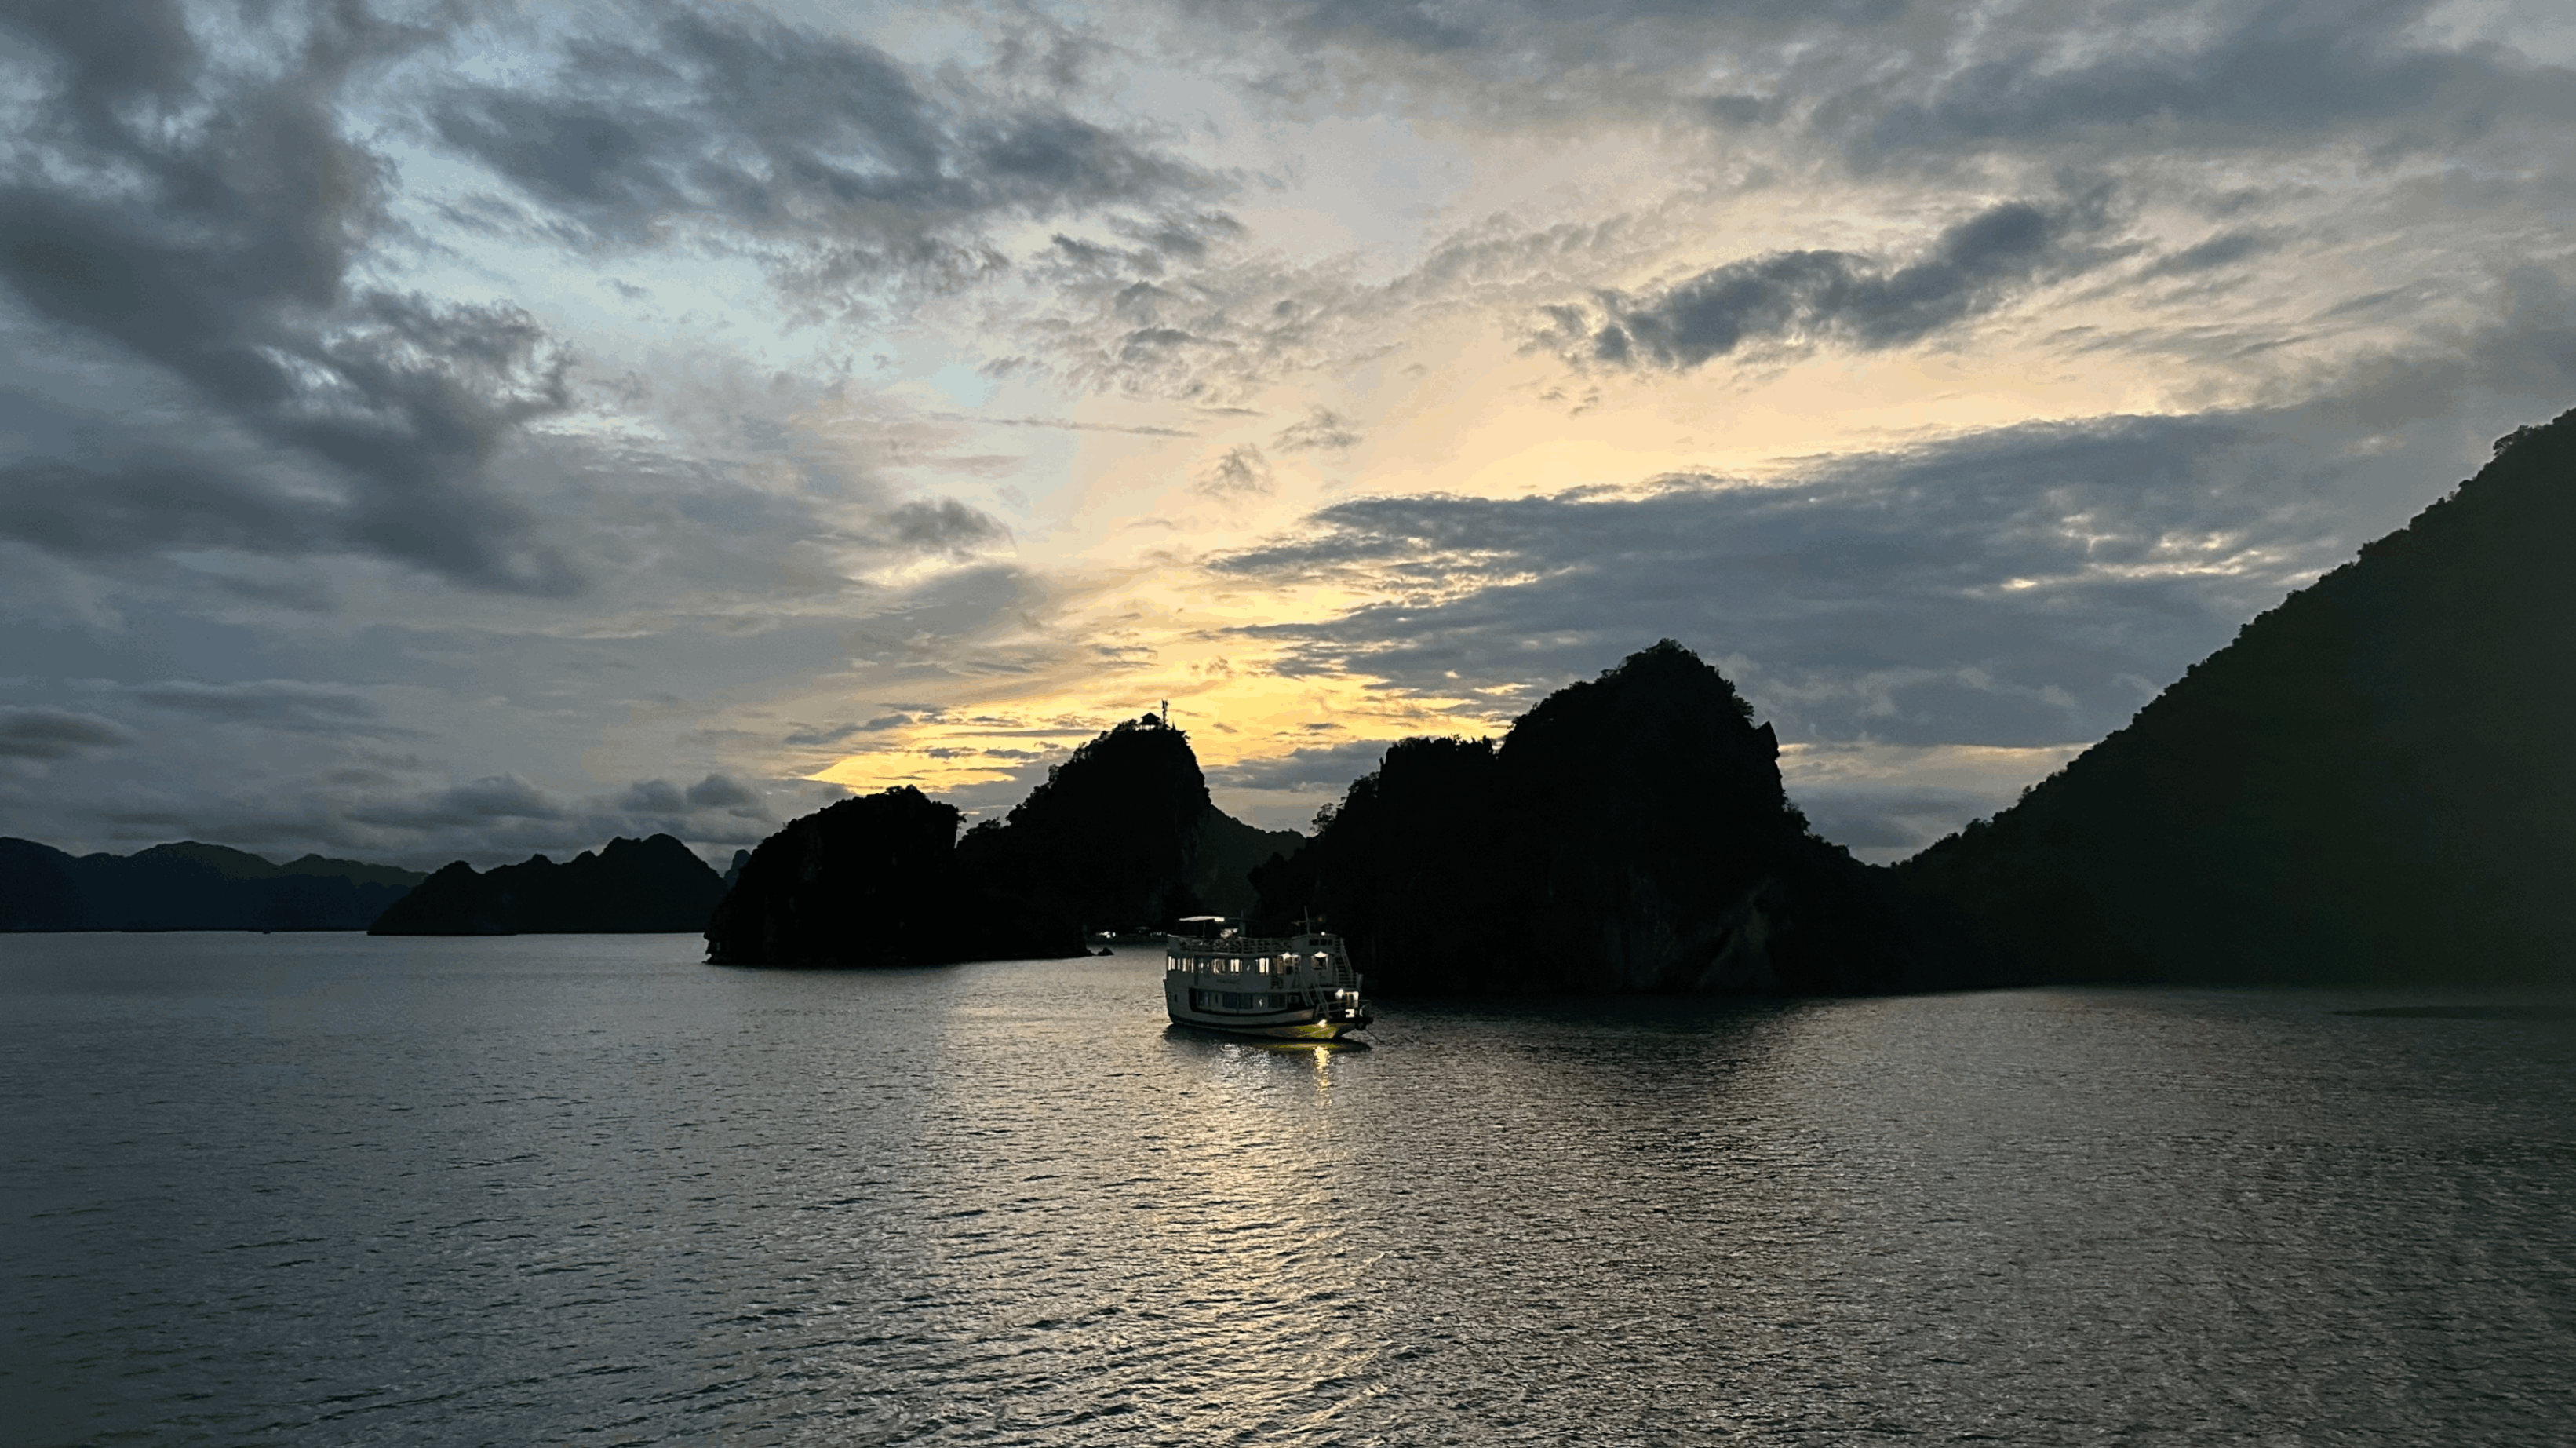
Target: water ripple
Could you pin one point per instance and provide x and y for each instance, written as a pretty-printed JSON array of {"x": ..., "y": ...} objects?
[{"x": 584, "y": 1190}]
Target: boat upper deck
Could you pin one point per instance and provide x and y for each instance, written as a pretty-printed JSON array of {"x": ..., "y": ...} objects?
[
  {"x": 1254, "y": 945},
  {"x": 1290, "y": 961}
]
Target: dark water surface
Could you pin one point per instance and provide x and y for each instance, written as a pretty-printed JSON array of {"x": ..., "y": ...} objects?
[{"x": 328, "y": 1189}]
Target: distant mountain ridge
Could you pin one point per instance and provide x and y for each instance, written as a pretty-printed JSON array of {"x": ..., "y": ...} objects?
[
  {"x": 190, "y": 886},
  {"x": 649, "y": 886},
  {"x": 2375, "y": 782},
  {"x": 1120, "y": 835}
]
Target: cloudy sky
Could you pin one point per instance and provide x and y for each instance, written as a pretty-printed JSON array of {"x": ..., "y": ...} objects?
[{"x": 464, "y": 429}]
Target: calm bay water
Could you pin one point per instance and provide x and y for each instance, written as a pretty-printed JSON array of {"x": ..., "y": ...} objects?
[{"x": 327, "y": 1189}]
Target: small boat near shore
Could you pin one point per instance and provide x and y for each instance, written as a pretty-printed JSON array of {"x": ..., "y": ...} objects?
[{"x": 1284, "y": 987}]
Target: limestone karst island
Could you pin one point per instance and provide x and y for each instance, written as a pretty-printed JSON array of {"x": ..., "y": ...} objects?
[{"x": 2370, "y": 784}]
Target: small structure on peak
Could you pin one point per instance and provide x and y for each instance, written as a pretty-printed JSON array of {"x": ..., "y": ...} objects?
[{"x": 1121, "y": 832}]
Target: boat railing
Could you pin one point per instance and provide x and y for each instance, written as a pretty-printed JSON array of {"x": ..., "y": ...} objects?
[{"x": 1244, "y": 946}]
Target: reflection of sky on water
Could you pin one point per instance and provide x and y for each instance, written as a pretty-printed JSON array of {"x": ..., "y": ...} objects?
[
  {"x": 532, "y": 1190},
  {"x": 1140, "y": 1223}
]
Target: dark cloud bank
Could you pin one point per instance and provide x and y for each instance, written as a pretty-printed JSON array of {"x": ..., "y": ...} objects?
[
  {"x": 1791, "y": 299},
  {"x": 841, "y": 166},
  {"x": 36, "y": 733},
  {"x": 205, "y": 221},
  {"x": 1888, "y": 82},
  {"x": 200, "y": 227},
  {"x": 209, "y": 393},
  {"x": 2028, "y": 588},
  {"x": 2017, "y": 588}
]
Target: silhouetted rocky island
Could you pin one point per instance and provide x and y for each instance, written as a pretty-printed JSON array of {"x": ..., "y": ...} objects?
[
  {"x": 2374, "y": 782},
  {"x": 1121, "y": 835},
  {"x": 190, "y": 886},
  {"x": 1628, "y": 834},
  {"x": 655, "y": 885}
]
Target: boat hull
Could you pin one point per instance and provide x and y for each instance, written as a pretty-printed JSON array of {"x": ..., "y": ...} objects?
[{"x": 1293, "y": 1029}]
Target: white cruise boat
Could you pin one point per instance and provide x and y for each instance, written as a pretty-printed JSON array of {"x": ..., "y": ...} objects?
[{"x": 1286, "y": 987}]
